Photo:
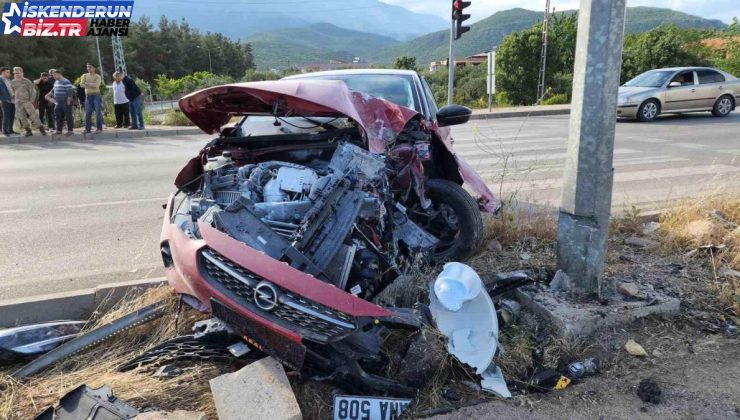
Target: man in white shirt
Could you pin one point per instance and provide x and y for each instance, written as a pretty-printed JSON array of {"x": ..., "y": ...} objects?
[{"x": 120, "y": 103}]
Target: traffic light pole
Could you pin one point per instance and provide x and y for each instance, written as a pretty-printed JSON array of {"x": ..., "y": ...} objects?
[
  {"x": 451, "y": 65},
  {"x": 585, "y": 207}
]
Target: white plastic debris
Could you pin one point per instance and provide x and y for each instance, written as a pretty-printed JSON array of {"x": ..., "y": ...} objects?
[
  {"x": 471, "y": 328},
  {"x": 493, "y": 381},
  {"x": 467, "y": 317},
  {"x": 456, "y": 284}
]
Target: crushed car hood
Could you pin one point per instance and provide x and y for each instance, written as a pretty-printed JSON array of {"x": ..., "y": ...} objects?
[{"x": 381, "y": 120}]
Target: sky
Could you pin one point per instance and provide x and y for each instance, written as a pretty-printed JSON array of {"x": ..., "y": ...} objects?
[{"x": 723, "y": 10}]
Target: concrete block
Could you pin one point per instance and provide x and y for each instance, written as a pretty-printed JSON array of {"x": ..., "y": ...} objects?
[
  {"x": 132, "y": 134},
  {"x": 161, "y": 132},
  {"x": 171, "y": 415},
  {"x": 258, "y": 391},
  {"x": 76, "y": 305},
  {"x": 9, "y": 140},
  {"x": 583, "y": 319},
  {"x": 105, "y": 135},
  {"x": 189, "y": 131},
  {"x": 35, "y": 139}
]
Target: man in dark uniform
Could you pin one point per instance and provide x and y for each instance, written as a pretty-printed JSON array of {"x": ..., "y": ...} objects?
[{"x": 46, "y": 109}]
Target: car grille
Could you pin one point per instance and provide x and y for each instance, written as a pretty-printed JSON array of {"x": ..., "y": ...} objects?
[{"x": 311, "y": 319}]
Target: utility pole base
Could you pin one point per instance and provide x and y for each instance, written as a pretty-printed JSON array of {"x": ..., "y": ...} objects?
[
  {"x": 583, "y": 318},
  {"x": 582, "y": 251}
]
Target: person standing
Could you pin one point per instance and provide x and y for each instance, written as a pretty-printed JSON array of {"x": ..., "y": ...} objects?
[
  {"x": 120, "y": 102},
  {"x": 25, "y": 93},
  {"x": 91, "y": 81},
  {"x": 6, "y": 97},
  {"x": 62, "y": 95},
  {"x": 46, "y": 108},
  {"x": 136, "y": 101}
]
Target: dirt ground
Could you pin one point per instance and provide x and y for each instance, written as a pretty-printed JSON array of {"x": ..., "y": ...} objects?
[{"x": 698, "y": 373}]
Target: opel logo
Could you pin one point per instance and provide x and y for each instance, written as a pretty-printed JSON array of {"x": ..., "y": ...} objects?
[{"x": 266, "y": 296}]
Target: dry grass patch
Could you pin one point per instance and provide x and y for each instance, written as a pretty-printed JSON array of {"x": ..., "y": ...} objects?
[
  {"x": 707, "y": 231},
  {"x": 23, "y": 399}
]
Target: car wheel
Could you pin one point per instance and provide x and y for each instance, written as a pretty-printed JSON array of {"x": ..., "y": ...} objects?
[
  {"x": 648, "y": 111},
  {"x": 722, "y": 107},
  {"x": 454, "y": 219}
]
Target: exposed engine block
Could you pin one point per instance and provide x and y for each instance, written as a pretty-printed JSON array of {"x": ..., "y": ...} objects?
[{"x": 326, "y": 220}]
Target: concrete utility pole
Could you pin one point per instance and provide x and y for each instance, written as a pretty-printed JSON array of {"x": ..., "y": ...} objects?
[{"x": 587, "y": 192}]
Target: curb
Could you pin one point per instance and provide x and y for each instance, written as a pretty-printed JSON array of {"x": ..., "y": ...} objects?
[
  {"x": 75, "y": 305},
  {"x": 522, "y": 113},
  {"x": 107, "y": 135}
]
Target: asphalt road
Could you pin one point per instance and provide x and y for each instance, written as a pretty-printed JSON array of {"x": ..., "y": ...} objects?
[{"x": 75, "y": 215}]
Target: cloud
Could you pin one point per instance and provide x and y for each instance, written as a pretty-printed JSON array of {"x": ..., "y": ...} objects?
[{"x": 723, "y": 10}]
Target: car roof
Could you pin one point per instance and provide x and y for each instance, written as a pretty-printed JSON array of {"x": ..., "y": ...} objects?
[
  {"x": 684, "y": 68},
  {"x": 352, "y": 71}
]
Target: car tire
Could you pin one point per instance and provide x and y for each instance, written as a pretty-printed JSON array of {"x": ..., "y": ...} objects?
[
  {"x": 468, "y": 216},
  {"x": 723, "y": 106},
  {"x": 648, "y": 111}
]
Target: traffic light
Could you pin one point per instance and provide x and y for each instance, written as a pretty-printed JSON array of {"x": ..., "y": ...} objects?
[{"x": 459, "y": 17}]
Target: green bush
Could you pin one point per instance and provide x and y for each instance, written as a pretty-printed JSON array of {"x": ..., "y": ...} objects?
[
  {"x": 176, "y": 118},
  {"x": 502, "y": 98},
  {"x": 557, "y": 99}
]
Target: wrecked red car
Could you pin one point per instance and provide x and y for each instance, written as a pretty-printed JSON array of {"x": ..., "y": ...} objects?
[{"x": 290, "y": 222}]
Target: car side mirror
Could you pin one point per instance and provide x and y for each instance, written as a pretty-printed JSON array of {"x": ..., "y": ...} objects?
[
  {"x": 453, "y": 115},
  {"x": 674, "y": 84}
]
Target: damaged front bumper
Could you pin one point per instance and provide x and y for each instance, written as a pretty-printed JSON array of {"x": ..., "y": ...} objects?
[{"x": 307, "y": 324}]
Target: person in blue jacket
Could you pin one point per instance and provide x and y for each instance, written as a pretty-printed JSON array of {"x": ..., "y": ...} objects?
[{"x": 135, "y": 98}]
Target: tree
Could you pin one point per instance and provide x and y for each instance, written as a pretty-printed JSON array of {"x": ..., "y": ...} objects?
[
  {"x": 405, "y": 62},
  {"x": 664, "y": 46},
  {"x": 518, "y": 60}
]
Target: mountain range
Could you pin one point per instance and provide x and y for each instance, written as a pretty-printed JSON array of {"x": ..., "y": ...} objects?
[
  {"x": 282, "y": 48},
  {"x": 239, "y": 19},
  {"x": 489, "y": 32},
  {"x": 319, "y": 42}
]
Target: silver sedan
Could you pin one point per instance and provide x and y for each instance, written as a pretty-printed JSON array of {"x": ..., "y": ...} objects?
[{"x": 678, "y": 90}]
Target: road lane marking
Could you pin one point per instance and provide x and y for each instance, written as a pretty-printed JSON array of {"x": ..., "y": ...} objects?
[
  {"x": 558, "y": 167},
  {"x": 112, "y": 203},
  {"x": 649, "y": 140},
  {"x": 14, "y": 211},
  {"x": 477, "y": 161},
  {"x": 623, "y": 177}
]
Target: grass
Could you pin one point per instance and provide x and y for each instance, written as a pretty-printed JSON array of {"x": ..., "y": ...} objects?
[
  {"x": 23, "y": 399},
  {"x": 176, "y": 118},
  {"x": 707, "y": 231}
]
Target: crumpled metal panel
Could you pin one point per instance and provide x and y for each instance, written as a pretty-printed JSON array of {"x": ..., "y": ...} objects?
[{"x": 212, "y": 108}]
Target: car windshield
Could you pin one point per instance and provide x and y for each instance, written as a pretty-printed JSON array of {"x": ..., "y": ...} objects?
[
  {"x": 653, "y": 78},
  {"x": 391, "y": 87}
]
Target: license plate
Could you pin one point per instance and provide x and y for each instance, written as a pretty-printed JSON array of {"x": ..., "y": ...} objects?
[{"x": 349, "y": 407}]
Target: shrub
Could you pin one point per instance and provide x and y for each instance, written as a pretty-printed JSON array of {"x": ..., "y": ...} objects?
[
  {"x": 176, "y": 118},
  {"x": 557, "y": 99}
]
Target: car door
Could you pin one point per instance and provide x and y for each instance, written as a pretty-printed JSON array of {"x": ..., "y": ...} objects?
[
  {"x": 711, "y": 86},
  {"x": 684, "y": 96}
]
